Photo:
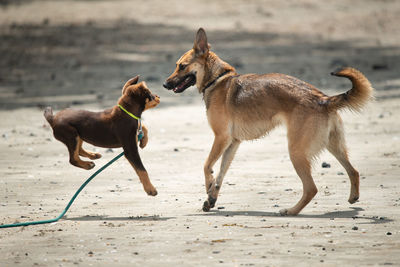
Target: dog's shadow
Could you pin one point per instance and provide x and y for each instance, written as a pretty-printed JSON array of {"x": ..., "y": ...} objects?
[
  {"x": 107, "y": 218},
  {"x": 352, "y": 213}
]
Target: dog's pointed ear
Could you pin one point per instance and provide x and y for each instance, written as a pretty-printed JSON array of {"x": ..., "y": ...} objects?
[
  {"x": 134, "y": 80},
  {"x": 201, "y": 46}
]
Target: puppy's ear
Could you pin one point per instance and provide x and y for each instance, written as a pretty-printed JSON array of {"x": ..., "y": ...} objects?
[
  {"x": 201, "y": 46},
  {"x": 144, "y": 90},
  {"x": 143, "y": 84},
  {"x": 130, "y": 82}
]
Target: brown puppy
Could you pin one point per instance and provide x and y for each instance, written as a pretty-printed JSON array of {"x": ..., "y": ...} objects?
[
  {"x": 111, "y": 128},
  {"x": 247, "y": 107}
]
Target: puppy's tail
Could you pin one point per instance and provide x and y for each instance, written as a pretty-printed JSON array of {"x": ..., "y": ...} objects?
[
  {"x": 48, "y": 114},
  {"x": 357, "y": 97}
]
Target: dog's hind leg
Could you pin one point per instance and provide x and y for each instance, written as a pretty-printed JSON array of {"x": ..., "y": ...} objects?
[
  {"x": 226, "y": 161},
  {"x": 74, "y": 159},
  {"x": 69, "y": 136},
  {"x": 307, "y": 136},
  {"x": 84, "y": 153},
  {"x": 337, "y": 147},
  {"x": 303, "y": 168}
]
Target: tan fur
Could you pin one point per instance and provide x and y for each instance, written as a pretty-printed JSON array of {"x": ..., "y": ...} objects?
[
  {"x": 247, "y": 107},
  {"x": 79, "y": 151},
  {"x": 357, "y": 97}
]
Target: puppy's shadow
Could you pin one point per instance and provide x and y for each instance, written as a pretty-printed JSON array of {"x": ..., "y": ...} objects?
[
  {"x": 107, "y": 218},
  {"x": 352, "y": 213}
]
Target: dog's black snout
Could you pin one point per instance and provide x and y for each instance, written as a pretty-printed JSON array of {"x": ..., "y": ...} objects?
[{"x": 168, "y": 85}]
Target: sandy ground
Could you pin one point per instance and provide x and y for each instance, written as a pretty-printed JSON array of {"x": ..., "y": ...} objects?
[{"x": 79, "y": 53}]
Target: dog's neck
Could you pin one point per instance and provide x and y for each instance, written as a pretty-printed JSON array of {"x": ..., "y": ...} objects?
[
  {"x": 214, "y": 69},
  {"x": 135, "y": 109}
]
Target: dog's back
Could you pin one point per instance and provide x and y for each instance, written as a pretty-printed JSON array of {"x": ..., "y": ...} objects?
[
  {"x": 257, "y": 103},
  {"x": 275, "y": 91},
  {"x": 92, "y": 127}
]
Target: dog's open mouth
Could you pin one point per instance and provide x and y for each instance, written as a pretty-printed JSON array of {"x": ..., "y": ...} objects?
[{"x": 186, "y": 82}]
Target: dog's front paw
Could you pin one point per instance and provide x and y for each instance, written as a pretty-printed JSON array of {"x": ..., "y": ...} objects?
[
  {"x": 145, "y": 138},
  {"x": 353, "y": 200},
  {"x": 143, "y": 142},
  {"x": 209, "y": 204},
  {"x": 151, "y": 191},
  {"x": 206, "y": 206}
]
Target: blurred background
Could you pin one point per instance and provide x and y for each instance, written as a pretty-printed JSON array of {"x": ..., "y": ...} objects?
[{"x": 71, "y": 52}]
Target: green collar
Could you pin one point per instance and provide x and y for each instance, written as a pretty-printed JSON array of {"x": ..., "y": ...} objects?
[
  {"x": 127, "y": 112},
  {"x": 140, "y": 133}
]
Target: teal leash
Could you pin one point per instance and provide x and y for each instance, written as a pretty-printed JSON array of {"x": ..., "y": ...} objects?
[
  {"x": 70, "y": 202},
  {"x": 140, "y": 135}
]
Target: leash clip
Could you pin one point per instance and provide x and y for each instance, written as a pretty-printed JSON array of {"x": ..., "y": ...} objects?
[{"x": 140, "y": 134}]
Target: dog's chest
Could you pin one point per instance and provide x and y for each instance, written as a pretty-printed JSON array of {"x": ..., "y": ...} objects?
[
  {"x": 242, "y": 125},
  {"x": 249, "y": 129}
]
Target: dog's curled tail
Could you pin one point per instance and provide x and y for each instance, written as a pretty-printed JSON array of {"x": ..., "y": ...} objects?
[
  {"x": 48, "y": 114},
  {"x": 357, "y": 97}
]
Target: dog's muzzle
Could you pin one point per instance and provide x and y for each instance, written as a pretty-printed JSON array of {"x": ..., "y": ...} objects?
[
  {"x": 168, "y": 85},
  {"x": 180, "y": 86}
]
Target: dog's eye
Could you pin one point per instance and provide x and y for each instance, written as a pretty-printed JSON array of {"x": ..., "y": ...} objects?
[{"x": 182, "y": 66}]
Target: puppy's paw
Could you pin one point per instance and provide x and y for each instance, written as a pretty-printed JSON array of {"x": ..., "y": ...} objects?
[
  {"x": 87, "y": 165},
  {"x": 95, "y": 156},
  {"x": 143, "y": 142},
  {"x": 145, "y": 138}
]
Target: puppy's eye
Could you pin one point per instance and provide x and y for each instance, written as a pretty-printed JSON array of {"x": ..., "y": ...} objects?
[{"x": 182, "y": 66}]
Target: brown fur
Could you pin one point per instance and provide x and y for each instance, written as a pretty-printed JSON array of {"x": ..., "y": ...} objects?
[
  {"x": 111, "y": 128},
  {"x": 248, "y": 106}
]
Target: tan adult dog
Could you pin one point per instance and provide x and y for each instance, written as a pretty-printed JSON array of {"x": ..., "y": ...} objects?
[{"x": 248, "y": 106}]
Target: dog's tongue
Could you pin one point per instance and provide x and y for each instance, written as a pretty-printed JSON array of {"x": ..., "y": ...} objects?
[{"x": 179, "y": 87}]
